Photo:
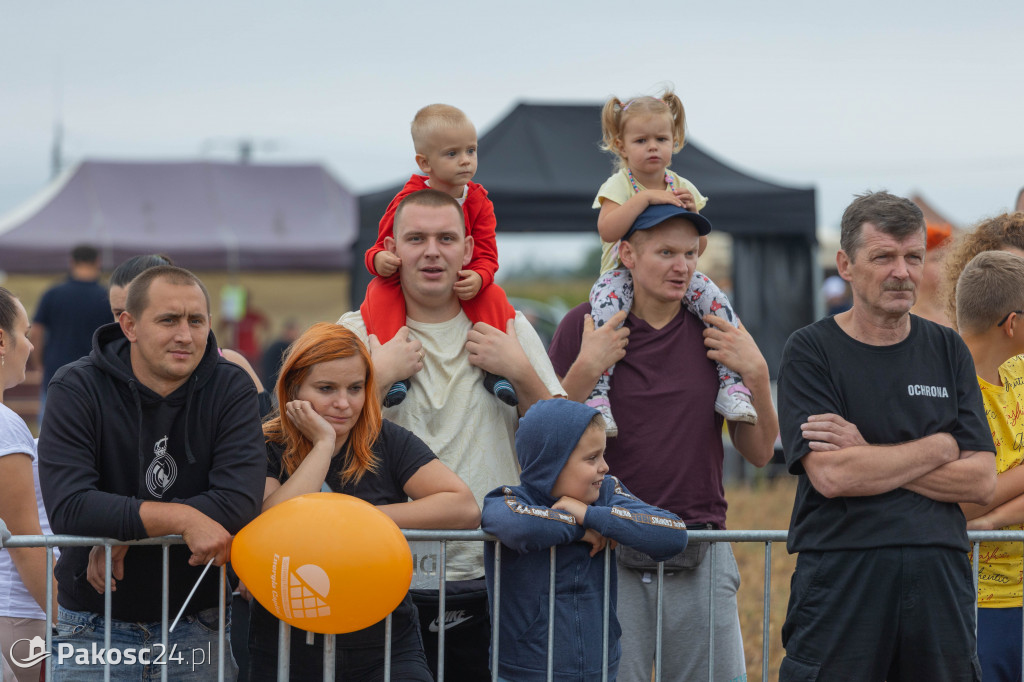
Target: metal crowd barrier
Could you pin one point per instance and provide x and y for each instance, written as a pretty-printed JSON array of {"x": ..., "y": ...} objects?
[{"x": 767, "y": 537}]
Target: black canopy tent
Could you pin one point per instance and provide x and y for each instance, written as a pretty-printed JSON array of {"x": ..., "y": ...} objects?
[{"x": 542, "y": 167}]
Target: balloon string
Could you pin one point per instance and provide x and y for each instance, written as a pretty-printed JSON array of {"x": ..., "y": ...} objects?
[{"x": 189, "y": 597}]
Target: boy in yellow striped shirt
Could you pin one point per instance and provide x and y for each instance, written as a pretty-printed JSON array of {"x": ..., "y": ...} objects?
[{"x": 990, "y": 318}]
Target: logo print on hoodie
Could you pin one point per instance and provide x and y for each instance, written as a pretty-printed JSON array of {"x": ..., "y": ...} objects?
[{"x": 162, "y": 470}]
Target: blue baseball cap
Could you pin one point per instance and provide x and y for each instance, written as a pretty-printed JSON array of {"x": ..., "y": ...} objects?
[{"x": 659, "y": 213}]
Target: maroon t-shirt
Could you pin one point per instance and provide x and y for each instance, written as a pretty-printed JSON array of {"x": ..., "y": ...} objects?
[{"x": 669, "y": 448}]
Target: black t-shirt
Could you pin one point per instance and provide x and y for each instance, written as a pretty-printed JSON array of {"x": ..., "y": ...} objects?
[
  {"x": 923, "y": 385},
  {"x": 399, "y": 453}
]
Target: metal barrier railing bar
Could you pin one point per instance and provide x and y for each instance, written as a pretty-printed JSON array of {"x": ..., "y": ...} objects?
[{"x": 767, "y": 537}]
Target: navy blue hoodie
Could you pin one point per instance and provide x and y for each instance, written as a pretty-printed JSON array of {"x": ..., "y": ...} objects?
[
  {"x": 108, "y": 443},
  {"x": 522, "y": 518}
]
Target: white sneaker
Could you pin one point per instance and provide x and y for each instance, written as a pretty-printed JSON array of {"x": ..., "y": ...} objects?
[
  {"x": 733, "y": 403},
  {"x": 611, "y": 429}
]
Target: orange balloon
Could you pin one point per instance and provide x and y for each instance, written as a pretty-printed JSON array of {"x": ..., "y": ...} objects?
[{"x": 324, "y": 562}]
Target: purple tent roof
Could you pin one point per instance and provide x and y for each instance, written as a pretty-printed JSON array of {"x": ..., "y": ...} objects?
[{"x": 205, "y": 215}]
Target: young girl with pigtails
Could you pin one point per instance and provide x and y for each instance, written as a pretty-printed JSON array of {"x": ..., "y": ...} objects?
[{"x": 643, "y": 133}]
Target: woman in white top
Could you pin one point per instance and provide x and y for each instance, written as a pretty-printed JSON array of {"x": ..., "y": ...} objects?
[{"x": 22, "y": 570}]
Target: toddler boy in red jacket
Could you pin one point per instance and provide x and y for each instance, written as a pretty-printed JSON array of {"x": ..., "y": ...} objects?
[{"x": 446, "y": 152}]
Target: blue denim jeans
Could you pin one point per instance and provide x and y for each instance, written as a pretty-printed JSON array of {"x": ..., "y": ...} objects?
[{"x": 136, "y": 652}]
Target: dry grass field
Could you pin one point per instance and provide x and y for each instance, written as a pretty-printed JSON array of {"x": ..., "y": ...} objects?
[{"x": 766, "y": 506}]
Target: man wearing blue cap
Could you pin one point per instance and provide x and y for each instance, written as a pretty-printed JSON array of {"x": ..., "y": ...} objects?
[{"x": 669, "y": 449}]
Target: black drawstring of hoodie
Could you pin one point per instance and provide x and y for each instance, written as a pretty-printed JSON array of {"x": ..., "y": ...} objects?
[
  {"x": 138, "y": 411},
  {"x": 188, "y": 403}
]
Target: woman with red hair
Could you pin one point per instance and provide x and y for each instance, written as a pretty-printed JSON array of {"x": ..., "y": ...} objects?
[{"x": 327, "y": 432}]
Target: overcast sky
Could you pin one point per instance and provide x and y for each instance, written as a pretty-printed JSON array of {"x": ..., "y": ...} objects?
[{"x": 840, "y": 96}]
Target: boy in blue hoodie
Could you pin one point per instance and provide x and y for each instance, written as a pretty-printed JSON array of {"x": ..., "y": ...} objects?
[{"x": 565, "y": 499}]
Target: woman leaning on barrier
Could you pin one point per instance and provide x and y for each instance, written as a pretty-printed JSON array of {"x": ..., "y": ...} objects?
[
  {"x": 329, "y": 430},
  {"x": 22, "y": 570}
]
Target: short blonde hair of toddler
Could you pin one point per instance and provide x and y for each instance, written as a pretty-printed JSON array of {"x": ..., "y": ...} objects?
[{"x": 432, "y": 118}]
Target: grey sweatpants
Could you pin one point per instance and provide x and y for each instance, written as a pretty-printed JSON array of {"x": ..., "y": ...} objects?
[{"x": 685, "y": 640}]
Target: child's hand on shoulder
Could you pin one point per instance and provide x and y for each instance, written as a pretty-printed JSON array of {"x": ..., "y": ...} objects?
[
  {"x": 597, "y": 541},
  {"x": 573, "y": 506},
  {"x": 386, "y": 263},
  {"x": 468, "y": 285},
  {"x": 686, "y": 197},
  {"x": 662, "y": 196}
]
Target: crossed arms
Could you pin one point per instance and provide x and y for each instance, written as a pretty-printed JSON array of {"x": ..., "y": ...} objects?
[
  {"x": 525, "y": 526},
  {"x": 841, "y": 463},
  {"x": 1006, "y": 506}
]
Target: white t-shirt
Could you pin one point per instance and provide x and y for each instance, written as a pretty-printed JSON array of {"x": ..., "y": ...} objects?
[
  {"x": 467, "y": 427},
  {"x": 15, "y": 600}
]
